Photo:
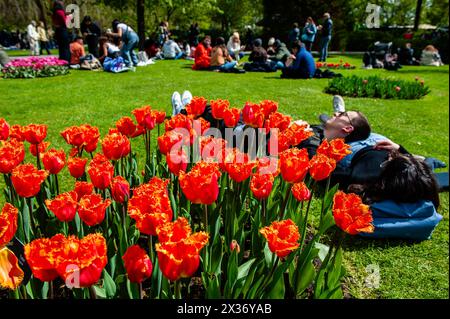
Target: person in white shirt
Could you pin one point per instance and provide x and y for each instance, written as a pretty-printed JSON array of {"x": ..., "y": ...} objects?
[
  {"x": 130, "y": 41},
  {"x": 234, "y": 47},
  {"x": 33, "y": 38},
  {"x": 171, "y": 50}
]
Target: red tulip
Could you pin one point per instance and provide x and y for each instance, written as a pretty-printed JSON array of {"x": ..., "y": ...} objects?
[
  {"x": 27, "y": 180},
  {"x": 137, "y": 264},
  {"x": 35, "y": 133},
  {"x": 120, "y": 189},
  {"x": 54, "y": 160},
  {"x": 4, "y": 130},
  {"x": 76, "y": 166},
  {"x": 92, "y": 209},
  {"x": 64, "y": 206}
]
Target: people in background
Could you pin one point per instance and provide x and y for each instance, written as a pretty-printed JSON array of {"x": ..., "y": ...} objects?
[
  {"x": 309, "y": 33},
  {"x": 280, "y": 55},
  {"x": 4, "y": 58},
  {"x": 33, "y": 38},
  {"x": 234, "y": 47},
  {"x": 325, "y": 36},
  {"x": 220, "y": 58},
  {"x": 59, "y": 19},
  {"x": 77, "y": 51},
  {"x": 259, "y": 59},
  {"x": 202, "y": 54},
  {"x": 270, "y": 46},
  {"x": 43, "y": 38},
  {"x": 107, "y": 49},
  {"x": 186, "y": 49},
  {"x": 163, "y": 32},
  {"x": 408, "y": 35},
  {"x": 171, "y": 50},
  {"x": 294, "y": 34},
  {"x": 130, "y": 41},
  {"x": 152, "y": 49},
  {"x": 300, "y": 64},
  {"x": 430, "y": 57},
  {"x": 406, "y": 55},
  {"x": 91, "y": 32}
]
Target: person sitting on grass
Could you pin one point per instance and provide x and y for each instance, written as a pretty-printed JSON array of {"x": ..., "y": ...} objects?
[
  {"x": 77, "y": 52},
  {"x": 406, "y": 55},
  {"x": 300, "y": 65},
  {"x": 281, "y": 54},
  {"x": 221, "y": 59},
  {"x": 430, "y": 57},
  {"x": 171, "y": 50},
  {"x": 107, "y": 49},
  {"x": 4, "y": 58},
  {"x": 202, "y": 54},
  {"x": 234, "y": 47},
  {"x": 153, "y": 50},
  {"x": 258, "y": 59},
  {"x": 403, "y": 200}
]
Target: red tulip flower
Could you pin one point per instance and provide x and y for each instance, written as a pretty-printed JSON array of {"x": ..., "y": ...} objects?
[
  {"x": 76, "y": 166},
  {"x": 64, "y": 206},
  {"x": 92, "y": 209},
  {"x": 120, "y": 189},
  {"x": 294, "y": 164},
  {"x": 35, "y": 133},
  {"x": 101, "y": 171},
  {"x": 4, "y": 130},
  {"x": 282, "y": 237},
  {"x": 54, "y": 160},
  {"x": 137, "y": 264},
  {"x": 27, "y": 180},
  {"x": 12, "y": 153}
]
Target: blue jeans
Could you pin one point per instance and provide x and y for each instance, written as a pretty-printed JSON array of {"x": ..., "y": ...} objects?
[
  {"x": 241, "y": 55},
  {"x": 279, "y": 65},
  {"x": 128, "y": 47},
  {"x": 227, "y": 66},
  {"x": 324, "y": 41}
]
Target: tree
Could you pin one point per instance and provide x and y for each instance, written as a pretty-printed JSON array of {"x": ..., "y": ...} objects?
[
  {"x": 417, "y": 16},
  {"x": 140, "y": 9}
]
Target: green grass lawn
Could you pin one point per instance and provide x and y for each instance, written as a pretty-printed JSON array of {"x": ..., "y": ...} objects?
[{"x": 407, "y": 270}]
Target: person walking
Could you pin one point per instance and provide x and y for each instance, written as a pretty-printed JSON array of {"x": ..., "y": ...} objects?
[
  {"x": 91, "y": 32},
  {"x": 33, "y": 38},
  {"x": 43, "y": 38},
  {"x": 325, "y": 38},
  {"x": 59, "y": 19},
  {"x": 309, "y": 33}
]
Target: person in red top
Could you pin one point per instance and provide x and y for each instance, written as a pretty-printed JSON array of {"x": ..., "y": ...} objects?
[
  {"x": 76, "y": 51},
  {"x": 59, "y": 20},
  {"x": 202, "y": 54}
]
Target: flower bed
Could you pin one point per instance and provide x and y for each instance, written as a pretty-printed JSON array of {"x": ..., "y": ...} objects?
[
  {"x": 33, "y": 67},
  {"x": 377, "y": 87},
  {"x": 227, "y": 225},
  {"x": 339, "y": 66}
]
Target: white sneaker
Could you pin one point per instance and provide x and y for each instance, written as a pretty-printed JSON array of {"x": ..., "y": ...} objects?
[
  {"x": 186, "y": 98},
  {"x": 176, "y": 103},
  {"x": 338, "y": 104}
]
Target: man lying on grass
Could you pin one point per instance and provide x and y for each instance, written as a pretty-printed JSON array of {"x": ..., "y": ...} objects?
[{"x": 400, "y": 187}]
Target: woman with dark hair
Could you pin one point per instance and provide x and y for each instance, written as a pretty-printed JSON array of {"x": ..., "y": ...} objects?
[
  {"x": 91, "y": 33},
  {"x": 130, "y": 41},
  {"x": 59, "y": 19},
  {"x": 403, "y": 200},
  {"x": 220, "y": 58}
]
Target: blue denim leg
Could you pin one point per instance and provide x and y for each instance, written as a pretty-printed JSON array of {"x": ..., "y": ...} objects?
[
  {"x": 324, "y": 48},
  {"x": 228, "y": 65},
  {"x": 128, "y": 53}
]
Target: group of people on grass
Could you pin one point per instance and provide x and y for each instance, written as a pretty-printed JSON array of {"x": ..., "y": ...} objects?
[{"x": 400, "y": 187}]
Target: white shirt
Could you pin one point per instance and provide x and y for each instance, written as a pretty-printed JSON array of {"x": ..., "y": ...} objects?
[
  {"x": 32, "y": 33},
  {"x": 124, "y": 27},
  {"x": 233, "y": 47},
  {"x": 170, "y": 49}
]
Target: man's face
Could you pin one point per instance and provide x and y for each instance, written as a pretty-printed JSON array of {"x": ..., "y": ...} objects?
[
  {"x": 294, "y": 51},
  {"x": 340, "y": 125},
  {"x": 207, "y": 42}
]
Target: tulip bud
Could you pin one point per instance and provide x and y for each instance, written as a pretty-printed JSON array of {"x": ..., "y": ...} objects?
[{"x": 234, "y": 245}]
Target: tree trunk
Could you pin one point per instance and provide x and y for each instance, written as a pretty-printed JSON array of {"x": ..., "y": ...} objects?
[
  {"x": 417, "y": 18},
  {"x": 42, "y": 12},
  {"x": 140, "y": 8}
]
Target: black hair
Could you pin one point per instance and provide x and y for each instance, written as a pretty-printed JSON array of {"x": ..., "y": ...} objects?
[
  {"x": 404, "y": 179},
  {"x": 86, "y": 19},
  {"x": 58, "y": 5},
  {"x": 220, "y": 41},
  {"x": 114, "y": 24},
  {"x": 257, "y": 42},
  {"x": 297, "y": 45},
  {"x": 361, "y": 128}
]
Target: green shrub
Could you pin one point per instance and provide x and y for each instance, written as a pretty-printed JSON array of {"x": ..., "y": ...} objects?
[{"x": 377, "y": 87}]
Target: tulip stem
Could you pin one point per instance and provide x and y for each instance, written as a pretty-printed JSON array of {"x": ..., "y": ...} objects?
[
  {"x": 150, "y": 247},
  {"x": 323, "y": 202},
  {"x": 286, "y": 198},
  {"x": 141, "y": 291},
  {"x": 177, "y": 287},
  {"x": 264, "y": 204},
  {"x": 305, "y": 223},
  {"x": 38, "y": 161},
  {"x": 92, "y": 292},
  {"x": 205, "y": 211},
  {"x": 56, "y": 184},
  {"x": 51, "y": 292}
]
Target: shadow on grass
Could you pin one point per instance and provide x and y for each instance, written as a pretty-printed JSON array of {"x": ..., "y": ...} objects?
[{"x": 422, "y": 71}]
